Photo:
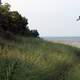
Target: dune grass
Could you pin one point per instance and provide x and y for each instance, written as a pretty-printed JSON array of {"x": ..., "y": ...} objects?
[{"x": 36, "y": 59}]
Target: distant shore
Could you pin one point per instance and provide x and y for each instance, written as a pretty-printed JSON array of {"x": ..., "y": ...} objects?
[
  {"x": 75, "y": 41},
  {"x": 72, "y": 43}
]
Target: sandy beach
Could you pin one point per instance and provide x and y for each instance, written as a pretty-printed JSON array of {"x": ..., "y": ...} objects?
[
  {"x": 68, "y": 42},
  {"x": 73, "y": 41}
]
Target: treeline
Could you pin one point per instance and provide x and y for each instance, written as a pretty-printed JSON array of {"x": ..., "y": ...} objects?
[{"x": 13, "y": 23}]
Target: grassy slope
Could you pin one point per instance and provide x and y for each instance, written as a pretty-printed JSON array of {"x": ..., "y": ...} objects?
[{"x": 34, "y": 59}]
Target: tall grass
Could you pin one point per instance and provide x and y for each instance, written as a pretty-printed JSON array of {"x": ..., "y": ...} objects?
[{"x": 36, "y": 59}]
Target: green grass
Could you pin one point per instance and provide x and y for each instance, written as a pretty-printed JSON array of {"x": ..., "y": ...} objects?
[{"x": 36, "y": 59}]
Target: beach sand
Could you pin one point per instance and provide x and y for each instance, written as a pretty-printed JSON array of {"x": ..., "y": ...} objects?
[{"x": 68, "y": 42}]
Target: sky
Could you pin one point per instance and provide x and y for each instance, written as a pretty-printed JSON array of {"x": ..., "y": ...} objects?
[{"x": 50, "y": 17}]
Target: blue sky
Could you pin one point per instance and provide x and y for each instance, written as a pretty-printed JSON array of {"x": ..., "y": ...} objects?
[{"x": 50, "y": 17}]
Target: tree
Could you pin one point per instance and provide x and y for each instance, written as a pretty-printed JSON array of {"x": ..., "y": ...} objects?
[
  {"x": 18, "y": 23},
  {"x": 35, "y": 33},
  {"x": 4, "y": 9},
  {"x": 11, "y": 22}
]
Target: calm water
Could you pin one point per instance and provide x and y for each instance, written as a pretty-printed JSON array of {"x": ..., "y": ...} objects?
[
  {"x": 62, "y": 38},
  {"x": 74, "y": 41}
]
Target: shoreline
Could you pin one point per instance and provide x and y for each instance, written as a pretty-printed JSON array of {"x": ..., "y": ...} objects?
[
  {"x": 75, "y": 43},
  {"x": 72, "y": 43}
]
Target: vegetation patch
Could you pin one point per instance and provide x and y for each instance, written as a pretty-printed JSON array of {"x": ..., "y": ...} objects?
[{"x": 35, "y": 59}]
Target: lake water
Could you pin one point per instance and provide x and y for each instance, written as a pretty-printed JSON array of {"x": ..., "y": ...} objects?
[
  {"x": 74, "y": 41},
  {"x": 62, "y": 38}
]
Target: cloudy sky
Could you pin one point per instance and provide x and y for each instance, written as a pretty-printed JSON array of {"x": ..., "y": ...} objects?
[{"x": 50, "y": 17}]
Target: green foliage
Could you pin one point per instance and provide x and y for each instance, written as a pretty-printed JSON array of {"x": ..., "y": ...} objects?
[
  {"x": 35, "y": 33},
  {"x": 14, "y": 23},
  {"x": 4, "y": 9},
  {"x": 35, "y": 59},
  {"x": 32, "y": 58}
]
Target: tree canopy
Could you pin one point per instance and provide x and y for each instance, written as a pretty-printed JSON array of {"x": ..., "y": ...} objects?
[{"x": 14, "y": 23}]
